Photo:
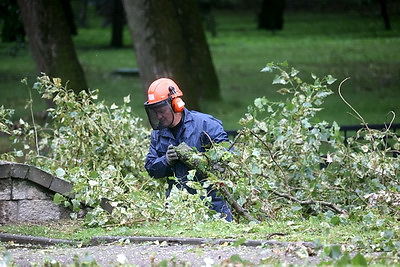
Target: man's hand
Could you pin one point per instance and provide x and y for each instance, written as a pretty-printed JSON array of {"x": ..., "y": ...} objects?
[{"x": 171, "y": 155}]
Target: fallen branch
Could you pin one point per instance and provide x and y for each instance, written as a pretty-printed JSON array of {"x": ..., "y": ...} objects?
[
  {"x": 310, "y": 202},
  {"x": 239, "y": 209},
  {"x": 200, "y": 163}
]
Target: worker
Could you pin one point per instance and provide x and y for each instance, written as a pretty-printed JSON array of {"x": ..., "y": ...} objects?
[{"x": 173, "y": 124}]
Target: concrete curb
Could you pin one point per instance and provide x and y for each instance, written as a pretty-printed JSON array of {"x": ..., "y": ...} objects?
[
  {"x": 192, "y": 241},
  {"x": 99, "y": 240},
  {"x": 33, "y": 240}
]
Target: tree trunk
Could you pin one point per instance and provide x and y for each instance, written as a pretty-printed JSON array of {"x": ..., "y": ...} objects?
[
  {"x": 271, "y": 15},
  {"x": 118, "y": 22},
  {"x": 385, "y": 14},
  {"x": 51, "y": 42},
  {"x": 169, "y": 41}
]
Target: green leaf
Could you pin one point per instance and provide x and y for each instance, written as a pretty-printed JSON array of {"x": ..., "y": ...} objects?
[
  {"x": 279, "y": 80},
  {"x": 58, "y": 198},
  {"x": 127, "y": 99},
  {"x": 237, "y": 259},
  {"x": 260, "y": 102},
  {"x": 266, "y": 69},
  {"x": 76, "y": 205},
  {"x": 294, "y": 72},
  {"x": 296, "y": 208},
  {"x": 359, "y": 260},
  {"x": 330, "y": 79},
  {"x": 239, "y": 242},
  {"x": 335, "y": 252},
  {"x": 344, "y": 260},
  {"x": 60, "y": 172},
  {"x": 388, "y": 234},
  {"x": 335, "y": 220}
]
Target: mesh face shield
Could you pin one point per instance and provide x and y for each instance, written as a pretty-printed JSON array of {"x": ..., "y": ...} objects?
[{"x": 160, "y": 114}]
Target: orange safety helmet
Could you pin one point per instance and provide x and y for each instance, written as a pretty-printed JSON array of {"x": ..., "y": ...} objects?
[
  {"x": 165, "y": 89},
  {"x": 163, "y": 101}
]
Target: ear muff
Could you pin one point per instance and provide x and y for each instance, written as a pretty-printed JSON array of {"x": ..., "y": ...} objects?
[{"x": 177, "y": 104}]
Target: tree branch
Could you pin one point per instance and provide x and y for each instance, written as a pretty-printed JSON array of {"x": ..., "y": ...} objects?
[
  {"x": 194, "y": 161},
  {"x": 310, "y": 202}
]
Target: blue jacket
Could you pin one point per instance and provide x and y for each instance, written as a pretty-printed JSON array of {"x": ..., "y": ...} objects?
[{"x": 196, "y": 131}]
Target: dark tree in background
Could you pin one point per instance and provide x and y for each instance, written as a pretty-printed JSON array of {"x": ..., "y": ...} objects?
[
  {"x": 50, "y": 41},
  {"x": 169, "y": 41},
  {"x": 271, "y": 15},
  {"x": 118, "y": 22},
  {"x": 205, "y": 7},
  {"x": 69, "y": 16},
  {"x": 113, "y": 14},
  {"x": 12, "y": 29},
  {"x": 385, "y": 14}
]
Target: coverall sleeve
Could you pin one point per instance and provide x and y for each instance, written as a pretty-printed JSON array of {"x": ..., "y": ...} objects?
[
  {"x": 156, "y": 165},
  {"x": 215, "y": 130}
]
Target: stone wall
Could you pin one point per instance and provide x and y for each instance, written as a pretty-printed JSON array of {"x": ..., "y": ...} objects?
[{"x": 26, "y": 194}]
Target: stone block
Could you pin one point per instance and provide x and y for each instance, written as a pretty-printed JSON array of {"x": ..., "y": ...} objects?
[
  {"x": 5, "y": 189},
  {"x": 5, "y": 169},
  {"x": 41, "y": 210},
  {"x": 25, "y": 189},
  {"x": 40, "y": 177},
  {"x": 19, "y": 170},
  {"x": 61, "y": 186},
  {"x": 8, "y": 211}
]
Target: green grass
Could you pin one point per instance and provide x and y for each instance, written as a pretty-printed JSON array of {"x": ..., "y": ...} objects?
[
  {"x": 341, "y": 45},
  {"x": 290, "y": 230},
  {"x": 344, "y": 45}
]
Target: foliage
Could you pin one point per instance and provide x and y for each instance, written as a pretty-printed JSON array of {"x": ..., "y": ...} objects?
[
  {"x": 5, "y": 119},
  {"x": 284, "y": 163},
  {"x": 5, "y": 127},
  {"x": 100, "y": 149},
  {"x": 287, "y": 163}
]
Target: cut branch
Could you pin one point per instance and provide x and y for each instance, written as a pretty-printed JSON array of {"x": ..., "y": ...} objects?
[{"x": 200, "y": 163}]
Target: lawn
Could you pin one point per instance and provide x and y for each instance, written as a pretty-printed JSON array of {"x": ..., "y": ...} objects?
[{"x": 344, "y": 45}]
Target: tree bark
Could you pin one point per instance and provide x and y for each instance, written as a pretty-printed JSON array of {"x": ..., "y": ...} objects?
[
  {"x": 51, "y": 43},
  {"x": 169, "y": 41}
]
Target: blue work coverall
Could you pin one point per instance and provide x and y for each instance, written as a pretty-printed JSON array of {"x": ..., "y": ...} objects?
[{"x": 193, "y": 133}]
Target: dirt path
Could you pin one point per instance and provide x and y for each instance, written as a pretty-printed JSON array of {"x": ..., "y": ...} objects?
[{"x": 153, "y": 254}]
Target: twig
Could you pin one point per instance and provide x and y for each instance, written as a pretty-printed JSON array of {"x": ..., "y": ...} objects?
[
  {"x": 33, "y": 122},
  {"x": 270, "y": 154},
  {"x": 235, "y": 140},
  {"x": 355, "y": 111},
  {"x": 209, "y": 138},
  {"x": 348, "y": 104},
  {"x": 391, "y": 121}
]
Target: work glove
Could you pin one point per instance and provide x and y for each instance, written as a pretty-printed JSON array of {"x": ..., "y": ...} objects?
[{"x": 171, "y": 155}]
